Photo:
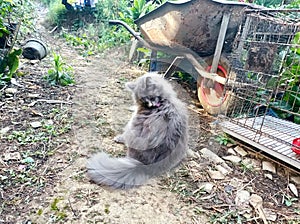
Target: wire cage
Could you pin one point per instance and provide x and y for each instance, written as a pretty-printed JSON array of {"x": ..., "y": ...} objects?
[{"x": 264, "y": 84}]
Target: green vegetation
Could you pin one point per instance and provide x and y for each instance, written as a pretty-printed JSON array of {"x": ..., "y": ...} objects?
[
  {"x": 9, "y": 65},
  {"x": 47, "y": 131},
  {"x": 290, "y": 80},
  {"x": 61, "y": 73},
  {"x": 15, "y": 16},
  {"x": 224, "y": 139},
  {"x": 57, "y": 13},
  {"x": 9, "y": 57},
  {"x": 89, "y": 31}
]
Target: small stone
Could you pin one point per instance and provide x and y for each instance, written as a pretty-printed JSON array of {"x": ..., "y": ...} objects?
[
  {"x": 231, "y": 151},
  {"x": 11, "y": 90},
  {"x": 270, "y": 215},
  {"x": 207, "y": 154},
  {"x": 234, "y": 159},
  {"x": 230, "y": 145},
  {"x": 33, "y": 95},
  {"x": 216, "y": 175},
  {"x": 240, "y": 151},
  {"x": 206, "y": 186},
  {"x": 236, "y": 183},
  {"x": 293, "y": 189},
  {"x": 242, "y": 198},
  {"x": 222, "y": 169},
  {"x": 12, "y": 156},
  {"x": 248, "y": 215},
  {"x": 211, "y": 156},
  {"x": 256, "y": 201},
  {"x": 49, "y": 122},
  {"x": 269, "y": 176},
  {"x": 36, "y": 124},
  {"x": 268, "y": 166},
  {"x": 14, "y": 82},
  {"x": 4, "y": 130},
  {"x": 33, "y": 62},
  {"x": 296, "y": 179}
]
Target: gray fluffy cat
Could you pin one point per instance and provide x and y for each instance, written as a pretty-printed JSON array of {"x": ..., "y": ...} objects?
[{"x": 156, "y": 137}]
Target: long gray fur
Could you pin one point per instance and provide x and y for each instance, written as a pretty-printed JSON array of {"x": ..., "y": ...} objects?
[{"x": 156, "y": 137}]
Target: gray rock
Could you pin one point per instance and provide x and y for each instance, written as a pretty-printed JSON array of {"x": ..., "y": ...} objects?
[
  {"x": 10, "y": 90},
  {"x": 296, "y": 179},
  {"x": 242, "y": 198},
  {"x": 36, "y": 124},
  {"x": 211, "y": 156},
  {"x": 234, "y": 159},
  {"x": 269, "y": 176},
  {"x": 12, "y": 156},
  {"x": 231, "y": 151},
  {"x": 216, "y": 175},
  {"x": 206, "y": 186},
  {"x": 268, "y": 166},
  {"x": 293, "y": 189},
  {"x": 4, "y": 130},
  {"x": 240, "y": 151}
]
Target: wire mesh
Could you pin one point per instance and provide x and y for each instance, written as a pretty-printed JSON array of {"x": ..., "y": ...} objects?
[{"x": 265, "y": 92}]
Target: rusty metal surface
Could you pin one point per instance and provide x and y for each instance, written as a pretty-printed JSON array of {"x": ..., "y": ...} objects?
[{"x": 193, "y": 25}]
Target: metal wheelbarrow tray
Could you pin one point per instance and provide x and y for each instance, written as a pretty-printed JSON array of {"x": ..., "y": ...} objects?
[
  {"x": 191, "y": 24},
  {"x": 197, "y": 31}
]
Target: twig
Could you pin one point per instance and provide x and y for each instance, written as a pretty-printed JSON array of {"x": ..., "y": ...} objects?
[
  {"x": 246, "y": 184},
  {"x": 16, "y": 32},
  {"x": 74, "y": 212},
  {"x": 50, "y": 101},
  {"x": 54, "y": 101},
  {"x": 3, "y": 88},
  {"x": 51, "y": 31},
  {"x": 216, "y": 206},
  {"x": 196, "y": 111}
]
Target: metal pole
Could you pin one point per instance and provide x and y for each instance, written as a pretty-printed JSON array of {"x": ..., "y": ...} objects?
[
  {"x": 220, "y": 42},
  {"x": 244, "y": 34}
]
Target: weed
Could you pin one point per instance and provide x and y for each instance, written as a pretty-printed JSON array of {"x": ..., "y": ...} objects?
[
  {"x": 288, "y": 200},
  {"x": 40, "y": 211},
  {"x": 54, "y": 204},
  {"x": 58, "y": 214},
  {"x": 61, "y": 73},
  {"x": 231, "y": 216},
  {"x": 141, "y": 7},
  {"x": 246, "y": 166},
  {"x": 106, "y": 209},
  {"x": 43, "y": 134},
  {"x": 223, "y": 139}
]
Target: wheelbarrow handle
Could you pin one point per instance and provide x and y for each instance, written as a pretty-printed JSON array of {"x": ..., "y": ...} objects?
[{"x": 135, "y": 34}]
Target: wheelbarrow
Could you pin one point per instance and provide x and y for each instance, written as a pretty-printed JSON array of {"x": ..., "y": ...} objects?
[{"x": 201, "y": 32}]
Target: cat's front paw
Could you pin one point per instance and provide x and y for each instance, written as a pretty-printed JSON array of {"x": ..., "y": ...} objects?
[{"x": 119, "y": 139}]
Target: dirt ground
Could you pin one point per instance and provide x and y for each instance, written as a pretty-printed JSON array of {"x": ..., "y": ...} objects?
[
  {"x": 93, "y": 112},
  {"x": 43, "y": 174}
]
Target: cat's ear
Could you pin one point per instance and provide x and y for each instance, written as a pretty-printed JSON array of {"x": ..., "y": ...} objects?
[{"x": 130, "y": 85}]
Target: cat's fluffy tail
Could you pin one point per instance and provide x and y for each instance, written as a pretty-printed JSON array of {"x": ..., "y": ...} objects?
[{"x": 125, "y": 172}]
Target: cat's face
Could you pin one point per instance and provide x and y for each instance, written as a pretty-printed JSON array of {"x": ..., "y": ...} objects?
[{"x": 149, "y": 90}]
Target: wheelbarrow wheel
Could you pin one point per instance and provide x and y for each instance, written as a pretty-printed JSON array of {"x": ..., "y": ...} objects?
[{"x": 211, "y": 95}]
